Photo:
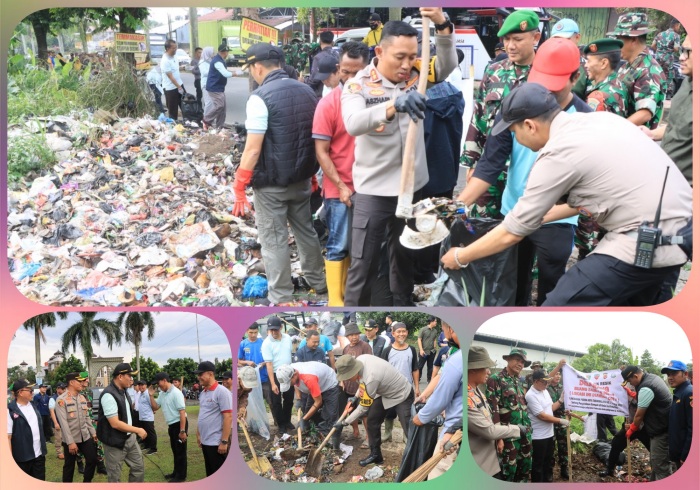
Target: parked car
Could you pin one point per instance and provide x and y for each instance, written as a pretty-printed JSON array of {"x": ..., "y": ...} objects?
[
  {"x": 96, "y": 392},
  {"x": 183, "y": 59}
]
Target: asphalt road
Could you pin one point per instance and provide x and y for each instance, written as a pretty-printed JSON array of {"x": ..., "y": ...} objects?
[{"x": 236, "y": 96}]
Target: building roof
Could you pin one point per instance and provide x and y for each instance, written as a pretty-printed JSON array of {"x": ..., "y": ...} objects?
[
  {"x": 220, "y": 14},
  {"x": 164, "y": 29},
  {"x": 494, "y": 339}
]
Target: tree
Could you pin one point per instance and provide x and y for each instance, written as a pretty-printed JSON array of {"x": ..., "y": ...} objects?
[
  {"x": 648, "y": 363},
  {"x": 87, "y": 331},
  {"x": 70, "y": 365},
  {"x": 41, "y": 24},
  {"x": 148, "y": 370},
  {"x": 15, "y": 373},
  {"x": 181, "y": 368},
  {"x": 38, "y": 323},
  {"x": 223, "y": 366},
  {"x": 133, "y": 324},
  {"x": 602, "y": 357},
  {"x": 414, "y": 321}
]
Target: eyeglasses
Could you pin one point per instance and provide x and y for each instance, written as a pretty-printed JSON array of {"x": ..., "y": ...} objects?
[{"x": 685, "y": 51}]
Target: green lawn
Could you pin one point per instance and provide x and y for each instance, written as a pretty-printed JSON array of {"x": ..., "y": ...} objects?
[{"x": 163, "y": 459}]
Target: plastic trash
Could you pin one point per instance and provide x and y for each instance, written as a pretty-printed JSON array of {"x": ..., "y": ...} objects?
[
  {"x": 374, "y": 473},
  {"x": 255, "y": 287}
]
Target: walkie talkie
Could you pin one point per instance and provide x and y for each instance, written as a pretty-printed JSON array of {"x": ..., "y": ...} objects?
[{"x": 649, "y": 237}]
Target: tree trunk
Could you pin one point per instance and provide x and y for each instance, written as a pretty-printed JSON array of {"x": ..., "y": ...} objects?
[
  {"x": 37, "y": 347},
  {"x": 395, "y": 13},
  {"x": 194, "y": 31},
  {"x": 83, "y": 35},
  {"x": 138, "y": 357},
  {"x": 40, "y": 32},
  {"x": 124, "y": 28}
]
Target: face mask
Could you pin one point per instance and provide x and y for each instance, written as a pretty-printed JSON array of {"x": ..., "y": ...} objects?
[{"x": 373, "y": 25}]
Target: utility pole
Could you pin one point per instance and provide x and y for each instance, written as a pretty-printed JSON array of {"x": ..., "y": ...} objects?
[
  {"x": 196, "y": 323},
  {"x": 194, "y": 31}
]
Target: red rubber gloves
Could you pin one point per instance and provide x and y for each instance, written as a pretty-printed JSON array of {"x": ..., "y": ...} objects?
[{"x": 243, "y": 177}]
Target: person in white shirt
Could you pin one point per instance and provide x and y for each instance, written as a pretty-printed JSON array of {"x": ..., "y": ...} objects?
[
  {"x": 541, "y": 411},
  {"x": 25, "y": 433},
  {"x": 155, "y": 81},
  {"x": 172, "y": 82},
  {"x": 204, "y": 66}
]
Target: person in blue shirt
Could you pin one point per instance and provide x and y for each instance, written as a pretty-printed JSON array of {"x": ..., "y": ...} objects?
[
  {"x": 324, "y": 343},
  {"x": 250, "y": 354},
  {"x": 41, "y": 402},
  {"x": 680, "y": 417}
]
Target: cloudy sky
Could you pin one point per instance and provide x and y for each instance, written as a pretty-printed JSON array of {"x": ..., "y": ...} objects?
[
  {"x": 579, "y": 330},
  {"x": 175, "y": 336}
]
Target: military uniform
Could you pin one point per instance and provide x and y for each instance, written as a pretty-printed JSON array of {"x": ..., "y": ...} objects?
[
  {"x": 506, "y": 394},
  {"x": 74, "y": 418},
  {"x": 297, "y": 55},
  {"x": 666, "y": 42},
  {"x": 609, "y": 95},
  {"x": 562, "y": 451}
]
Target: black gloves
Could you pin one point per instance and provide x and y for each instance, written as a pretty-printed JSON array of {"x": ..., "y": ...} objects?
[
  {"x": 303, "y": 425},
  {"x": 411, "y": 103},
  {"x": 339, "y": 426},
  {"x": 524, "y": 429},
  {"x": 354, "y": 401}
]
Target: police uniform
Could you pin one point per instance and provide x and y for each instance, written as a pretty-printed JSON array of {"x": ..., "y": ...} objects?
[
  {"x": 376, "y": 173},
  {"x": 73, "y": 417}
]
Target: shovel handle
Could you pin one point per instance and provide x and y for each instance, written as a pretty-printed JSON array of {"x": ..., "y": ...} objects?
[
  {"x": 332, "y": 431},
  {"x": 299, "y": 428},
  {"x": 250, "y": 445}
]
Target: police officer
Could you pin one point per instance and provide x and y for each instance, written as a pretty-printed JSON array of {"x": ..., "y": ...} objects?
[
  {"x": 87, "y": 393},
  {"x": 642, "y": 75},
  {"x": 666, "y": 45},
  {"x": 505, "y": 394},
  {"x": 78, "y": 434},
  {"x": 376, "y": 107},
  {"x": 605, "y": 92},
  {"x": 483, "y": 432},
  {"x": 615, "y": 184},
  {"x": 520, "y": 36},
  {"x": 41, "y": 402},
  {"x": 60, "y": 388}
]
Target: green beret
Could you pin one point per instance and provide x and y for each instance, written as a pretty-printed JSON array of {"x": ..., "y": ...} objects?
[
  {"x": 631, "y": 24},
  {"x": 520, "y": 21},
  {"x": 605, "y": 45}
]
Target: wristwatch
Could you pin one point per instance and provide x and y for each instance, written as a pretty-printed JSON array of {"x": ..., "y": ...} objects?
[
  {"x": 223, "y": 441},
  {"x": 183, "y": 432},
  {"x": 445, "y": 25}
]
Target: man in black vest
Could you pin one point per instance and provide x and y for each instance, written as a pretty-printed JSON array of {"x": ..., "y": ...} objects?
[
  {"x": 25, "y": 431},
  {"x": 279, "y": 160},
  {"x": 215, "y": 115},
  {"x": 115, "y": 427},
  {"x": 372, "y": 337}
]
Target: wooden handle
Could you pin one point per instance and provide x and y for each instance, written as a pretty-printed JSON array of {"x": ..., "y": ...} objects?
[
  {"x": 299, "y": 428},
  {"x": 404, "y": 207},
  {"x": 250, "y": 445},
  {"x": 332, "y": 431},
  {"x": 568, "y": 449}
]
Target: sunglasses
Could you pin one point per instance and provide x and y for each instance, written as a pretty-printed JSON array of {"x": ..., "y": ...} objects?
[{"x": 685, "y": 51}]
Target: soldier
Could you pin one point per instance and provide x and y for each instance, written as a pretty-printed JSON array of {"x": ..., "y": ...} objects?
[
  {"x": 78, "y": 434},
  {"x": 642, "y": 75},
  {"x": 520, "y": 36},
  {"x": 87, "y": 393},
  {"x": 296, "y": 53},
  {"x": 505, "y": 394},
  {"x": 665, "y": 45},
  {"x": 60, "y": 387},
  {"x": 605, "y": 92},
  {"x": 556, "y": 390},
  {"x": 536, "y": 366},
  {"x": 568, "y": 29}
]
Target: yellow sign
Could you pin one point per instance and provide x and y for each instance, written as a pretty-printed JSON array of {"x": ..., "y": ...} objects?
[
  {"x": 253, "y": 32},
  {"x": 129, "y": 43}
]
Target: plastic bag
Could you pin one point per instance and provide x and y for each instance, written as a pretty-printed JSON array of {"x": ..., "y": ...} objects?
[
  {"x": 256, "y": 415},
  {"x": 420, "y": 446},
  {"x": 495, "y": 277},
  {"x": 602, "y": 452}
]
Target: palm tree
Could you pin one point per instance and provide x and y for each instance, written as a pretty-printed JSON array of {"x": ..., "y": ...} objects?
[
  {"x": 86, "y": 331},
  {"x": 38, "y": 323},
  {"x": 134, "y": 323}
]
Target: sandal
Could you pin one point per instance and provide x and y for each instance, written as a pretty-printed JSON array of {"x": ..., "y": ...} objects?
[{"x": 365, "y": 444}]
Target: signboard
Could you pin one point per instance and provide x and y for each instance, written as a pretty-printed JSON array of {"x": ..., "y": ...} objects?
[
  {"x": 599, "y": 392},
  {"x": 253, "y": 32},
  {"x": 129, "y": 43}
]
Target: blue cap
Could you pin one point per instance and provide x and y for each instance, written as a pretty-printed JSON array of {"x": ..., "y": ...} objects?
[
  {"x": 565, "y": 28},
  {"x": 674, "y": 366}
]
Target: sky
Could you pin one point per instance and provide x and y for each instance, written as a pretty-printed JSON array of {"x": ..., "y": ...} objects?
[
  {"x": 175, "y": 336},
  {"x": 579, "y": 330},
  {"x": 160, "y": 14}
]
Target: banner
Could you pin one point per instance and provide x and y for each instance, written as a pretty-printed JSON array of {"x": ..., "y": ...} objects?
[
  {"x": 129, "y": 43},
  {"x": 599, "y": 392},
  {"x": 253, "y": 32}
]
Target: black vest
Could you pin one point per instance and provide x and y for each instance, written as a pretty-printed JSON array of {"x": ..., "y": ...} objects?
[
  {"x": 656, "y": 416},
  {"x": 216, "y": 82},
  {"x": 288, "y": 154},
  {"x": 22, "y": 438},
  {"x": 105, "y": 433}
]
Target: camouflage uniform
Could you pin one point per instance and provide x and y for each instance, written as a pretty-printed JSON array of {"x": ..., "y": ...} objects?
[
  {"x": 87, "y": 393},
  {"x": 666, "y": 41},
  {"x": 507, "y": 392},
  {"x": 297, "y": 55},
  {"x": 498, "y": 81},
  {"x": 646, "y": 86},
  {"x": 609, "y": 95},
  {"x": 556, "y": 392}
]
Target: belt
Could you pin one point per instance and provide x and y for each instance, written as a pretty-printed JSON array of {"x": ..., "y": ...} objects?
[{"x": 663, "y": 239}]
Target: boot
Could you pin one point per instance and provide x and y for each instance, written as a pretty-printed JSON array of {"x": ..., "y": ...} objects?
[
  {"x": 101, "y": 468},
  {"x": 335, "y": 440},
  {"x": 334, "y": 274},
  {"x": 565, "y": 473},
  {"x": 344, "y": 276},
  {"x": 81, "y": 466},
  {"x": 388, "y": 428},
  {"x": 375, "y": 456},
  {"x": 605, "y": 473}
]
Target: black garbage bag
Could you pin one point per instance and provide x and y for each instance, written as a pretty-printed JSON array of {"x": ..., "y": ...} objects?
[
  {"x": 420, "y": 444},
  {"x": 63, "y": 232},
  {"x": 496, "y": 275},
  {"x": 602, "y": 452},
  {"x": 191, "y": 110}
]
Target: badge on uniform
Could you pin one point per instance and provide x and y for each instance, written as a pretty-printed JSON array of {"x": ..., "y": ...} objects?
[
  {"x": 593, "y": 48},
  {"x": 523, "y": 25},
  {"x": 61, "y": 402},
  {"x": 373, "y": 75},
  {"x": 376, "y": 91},
  {"x": 373, "y": 84},
  {"x": 15, "y": 416},
  {"x": 365, "y": 399},
  {"x": 354, "y": 88}
]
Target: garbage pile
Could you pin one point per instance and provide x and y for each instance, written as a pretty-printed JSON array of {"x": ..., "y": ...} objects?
[{"x": 136, "y": 212}]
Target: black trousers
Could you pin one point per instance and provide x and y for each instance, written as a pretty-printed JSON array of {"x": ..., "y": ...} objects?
[
  {"x": 151, "y": 440},
  {"x": 619, "y": 444},
  {"x": 136, "y": 421},
  {"x": 47, "y": 426},
  {"x": 552, "y": 245},
  {"x": 212, "y": 459},
  {"x": 282, "y": 405},
  {"x": 35, "y": 467},
  {"x": 172, "y": 101},
  {"x": 373, "y": 219},
  {"x": 602, "y": 280},
  {"x": 198, "y": 89},
  {"x": 542, "y": 457},
  {"x": 89, "y": 450},
  {"x": 328, "y": 415},
  {"x": 429, "y": 359},
  {"x": 376, "y": 415},
  {"x": 179, "y": 449},
  {"x": 605, "y": 423}
]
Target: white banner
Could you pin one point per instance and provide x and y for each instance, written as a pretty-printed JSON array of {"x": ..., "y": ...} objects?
[{"x": 599, "y": 392}]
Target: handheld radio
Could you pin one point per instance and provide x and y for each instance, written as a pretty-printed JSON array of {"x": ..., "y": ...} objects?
[{"x": 649, "y": 237}]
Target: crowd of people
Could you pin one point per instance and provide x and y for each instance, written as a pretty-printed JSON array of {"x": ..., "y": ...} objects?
[
  {"x": 123, "y": 429},
  {"x": 340, "y": 376},
  {"x": 518, "y": 425}
]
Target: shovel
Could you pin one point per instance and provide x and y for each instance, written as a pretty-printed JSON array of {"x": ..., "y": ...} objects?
[
  {"x": 291, "y": 453},
  {"x": 315, "y": 461},
  {"x": 260, "y": 465}
]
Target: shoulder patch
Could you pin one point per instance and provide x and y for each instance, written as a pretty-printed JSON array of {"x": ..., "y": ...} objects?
[
  {"x": 374, "y": 75},
  {"x": 61, "y": 402},
  {"x": 354, "y": 88}
]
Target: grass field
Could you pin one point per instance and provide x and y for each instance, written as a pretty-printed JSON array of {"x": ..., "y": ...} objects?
[{"x": 156, "y": 465}]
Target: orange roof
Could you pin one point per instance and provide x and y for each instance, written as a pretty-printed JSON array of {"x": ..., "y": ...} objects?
[{"x": 221, "y": 14}]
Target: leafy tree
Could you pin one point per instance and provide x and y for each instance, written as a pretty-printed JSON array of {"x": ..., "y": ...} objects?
[
  {"x": 648, "y": 363},
  {"x": 15, "y": 373},
  {"x": 41, "y": 24},
  {"x": 134, "y": 323},
  {"x": 414, "y": 321},
  {"x": 223, "y": 366},
  {"x": 70, "y": 365},
  {"x": 88, "y": 330},
  {"x": 181, "y": 368},
  {"x": 602, "y": 357},
  {"x": 148, "y": 368},
  {"x": 38, "y": 323}
]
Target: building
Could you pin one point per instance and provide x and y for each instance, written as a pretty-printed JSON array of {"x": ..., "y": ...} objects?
[{"x": 500, "y": 346}]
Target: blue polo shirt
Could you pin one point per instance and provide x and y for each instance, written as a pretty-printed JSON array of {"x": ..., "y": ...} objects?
[
  {"x": 324, "y": 343},
  {"x": 252, "y": 351},
  {"x": 171, "y": 401}
]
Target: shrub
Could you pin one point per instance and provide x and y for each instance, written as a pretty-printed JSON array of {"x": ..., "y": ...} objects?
[{"x": 27, "y": 154}]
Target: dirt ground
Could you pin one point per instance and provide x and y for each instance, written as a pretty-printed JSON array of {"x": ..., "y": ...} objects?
[{"x": 585, "y": 467}]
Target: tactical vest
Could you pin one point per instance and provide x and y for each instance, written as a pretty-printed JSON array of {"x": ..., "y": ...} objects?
[
  {"x": 22, "y": 438},
  {"x": 105, "y": 433},
  {"x": 288, "y": 153},
  {"x": 656, "y": 416},
  {"x": 216, "y": 82}
]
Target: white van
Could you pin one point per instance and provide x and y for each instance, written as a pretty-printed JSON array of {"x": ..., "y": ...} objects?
[{"x": 351, "y": 35}]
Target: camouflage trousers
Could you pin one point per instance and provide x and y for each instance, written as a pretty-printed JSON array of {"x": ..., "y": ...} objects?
[
  {"x": 516, "y": 460},
  {"x": 489, "y": 204},
  {"x": 666, "y": 63},
  {"x": 561, "y": 451},
  {"x": 586, "y": 236},
  {"x": 100, "y": 450}
]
